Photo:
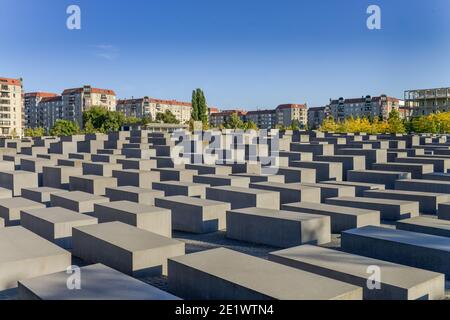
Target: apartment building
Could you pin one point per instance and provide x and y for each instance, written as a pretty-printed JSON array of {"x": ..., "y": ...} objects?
[
  {"x": 264, "y": 119},
  {"x": 50, "y": 110},
  {"x": 287, "y": 113},
  {"x": 32, "y": 111},
  {"x": 317, "y": 115},
  {"x": 11, "y": 105},
  {"x": 219, "y": 118},
  {"x": 150, "y": 107},
  {"x": 367, "y": 106},
  {"x": 426, "y": 101},
  {"x": 77, "y": 100}
]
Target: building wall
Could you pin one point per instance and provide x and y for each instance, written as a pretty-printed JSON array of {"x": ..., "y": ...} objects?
[
  {"x": 426, "y": 101},
  {"x": 151, "y": 107},
  {"x": 32, "y": 112},
  {"x": 11, "y": 105}
]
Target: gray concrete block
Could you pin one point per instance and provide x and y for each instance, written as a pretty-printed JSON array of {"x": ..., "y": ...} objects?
[
  {"x": 92, "y": 184},
  {"x": 136, "y": 178},
  {"x": 342, "y": 218},
  {"x": 40, "y": 194},
  {"x": 348, "y": 162},
  {"x": 172, "y": 174},
  {"x": 137, "y": 164},
  {"x": 54, "y": 224},
  {"x": 397, "y": 282},
  {"x": 324, "y": 170},
  {"x": 223, "y": 274},
  {"x": 195, "y": 215},
  {"x": 209, "y": 169},
  {"x": 25, "y": 255},
  {"x": 440, "y": 164},
  {"x": 360, "y": 187},
  {"x": 125, "y": 248},
  {"x": 389, "y": 209},
  {"x": 100, "y": 169},
  {"x": 5, "y": 193},
  {"x": 428, "y": 201},
  {"x": 417, "y": 170},
  {"x": 261, "y": 178},
  {"x": 78, "y": 201},
  {"x": 423, "y": 185},
  {"x": 99, "y": 282},
  {"x": 331, "y": 191},
  {"x": 16, "y": 180},
  {"x": 372, "y": 155},
  {"x": 277, "y": 228},
  {"x": 142, "y": 216},
  {"x": 59, "y": 176},
  {"x": 244, "y": 197},
  {"x": 292, "y": 175},
  {"x": 177, "y": 188},
  {"x": 426, "y": 225},
  {"x": 134, "y": 194},
  {"x": 444, "y": 211},
  {"x": 10, "y": 209},
  {"x": 290, "y": 192},
  {"x": 387, "y": 178},
  {"x": 404, "y": 247},
  {"x": 215, "y": 180}
]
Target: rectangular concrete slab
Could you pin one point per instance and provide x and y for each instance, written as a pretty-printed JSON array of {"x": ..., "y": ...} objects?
[
  {"x": 397, "y": 282},
  {"x": 136, "y": 178},
  {"x": 244, "y": 197},
  {"x": 426, "y": 225},
  {"x": 290, "y": 192},
  {"x": 195, "y": 215},
  {"x": 405, "y": 247},
  {"x": 134, "y": 194},
  {"x": 223, "y": 274},
  {"x": 277, "y": 228},
  {"x": 16, "y": 180},
  {"x": 178, "y": 188},
  {"x": 360, "y": 187},
  {"x": 146, "y": 217},
  {"x": 389, "y": 209},
  {"x": 99, "y": 283},
  {"x": 125, "y": 248},
  {"x": 25, "y": 255},
  {"x": 92, "y": 184},
  {"x": 10, "y": 209},
  {"x": 40, "y": 194},
  {"x": 388, "y": 178},
  {"x": 78, "y": 201},
  {"x": 54, "y": 224},
  {"x": 428, "y": 201},
  {"x": 342, "y": 218},
  {"x": 221, "y": 180}
]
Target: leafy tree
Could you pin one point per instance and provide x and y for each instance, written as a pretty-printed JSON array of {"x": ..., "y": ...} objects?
[
  {"x": 234, "y": 122},
  {"x": 199, "y": 106},
  {"x": 167, "y": 117},
  {"x": 250, "y": 125},
  {"x": 328, "y": 125},
  {"x": 395, "y": 123},
  {"x": 65, "y": 128},
  {"x": 99, "y": 119},
  {"x": 34, "y": 132}
]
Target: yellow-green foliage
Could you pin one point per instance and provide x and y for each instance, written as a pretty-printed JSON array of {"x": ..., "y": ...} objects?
[
  {"x": 356, "y": 125},
  {"x": 432, "y": 123}
]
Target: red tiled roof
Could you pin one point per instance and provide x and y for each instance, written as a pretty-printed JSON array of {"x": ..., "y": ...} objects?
[
  {"x": 361, "y": 100},
  {"x": 213, "y": 110},
  {"x": 11, "y": 82},
  {"x": 40, "y": 94},
  {"x": 51, "y": 99},
  {"x": 228, "y": 113}
]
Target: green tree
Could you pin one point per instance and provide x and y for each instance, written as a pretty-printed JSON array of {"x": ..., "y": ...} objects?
[
  {"x": 395, "y": 123},
  {"x": 167, "y": 117},
  {"x": 234, "y": 122},
  {"x": 64, "y": 128},
  {"x": 250, "y": 125},
  {"x": 295, "y": 125},
  {"x": 99, "y": 119},
  {"x": 199, "y": 106},
  {"x": 34, "y": 132}
]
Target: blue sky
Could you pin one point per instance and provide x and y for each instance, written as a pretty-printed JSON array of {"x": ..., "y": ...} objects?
[{"x": 243, "y": 53}]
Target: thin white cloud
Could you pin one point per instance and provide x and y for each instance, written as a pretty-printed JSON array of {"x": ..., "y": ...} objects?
[{"x": 106, "y": 51}]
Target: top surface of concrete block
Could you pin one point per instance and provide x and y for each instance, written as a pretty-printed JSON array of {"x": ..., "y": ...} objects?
[
  {"x": 405, "y": 237},
  {"x": 99, "y": 283},
  {"x": 17, "y": 243},
  {"x": 58, "y": 215},
  {"x": 355, "y": 265},
  {"x": 130, "y": 207},
  {"x": 80, "y": 196},
  {"x": 127, "y": 237},
  {"x": 265, "y": 277}
]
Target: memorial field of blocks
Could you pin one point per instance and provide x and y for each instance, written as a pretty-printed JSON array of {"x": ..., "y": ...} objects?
[{"x": 225, "y": 215}]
